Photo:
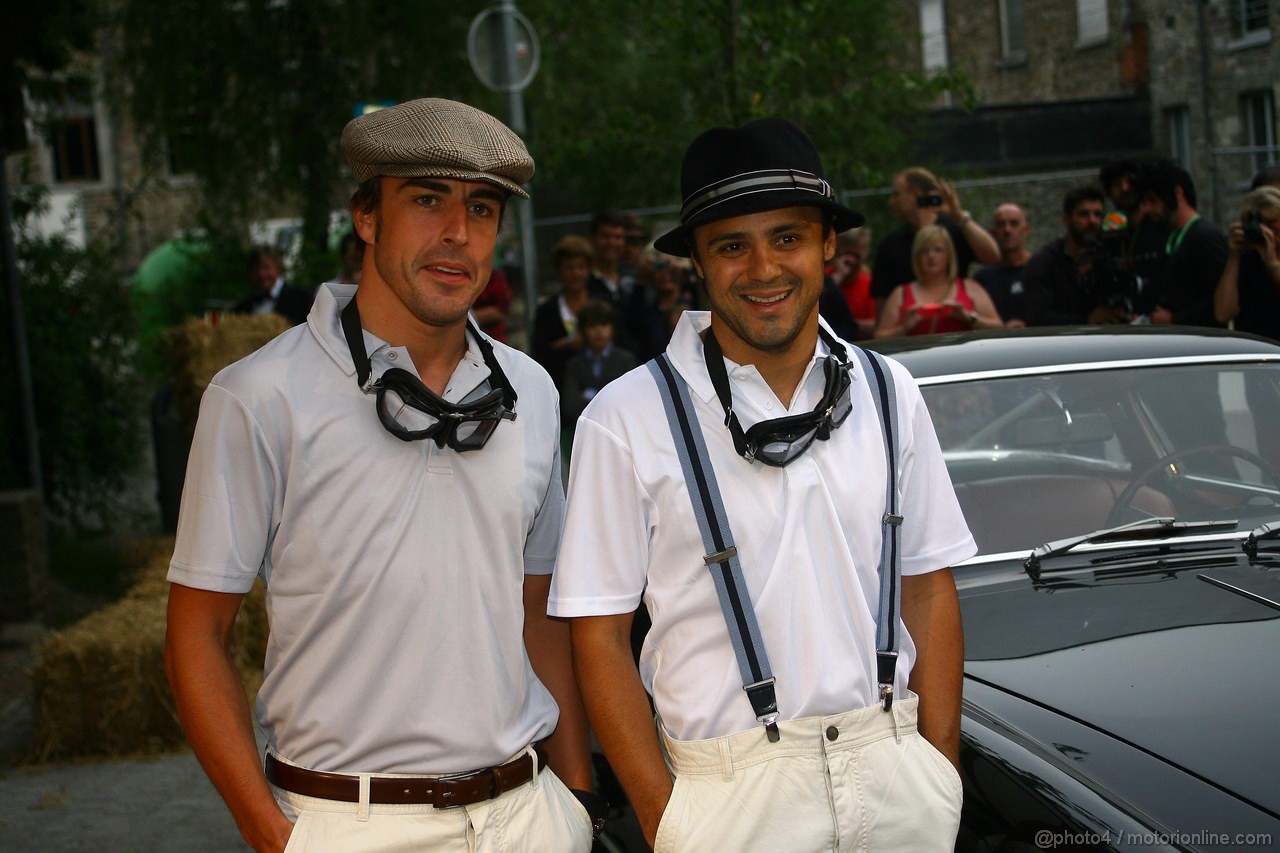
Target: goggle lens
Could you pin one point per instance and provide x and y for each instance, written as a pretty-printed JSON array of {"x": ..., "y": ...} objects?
[
  {"x": 781, "y": 441},
  {"x": 412, "y": 412}
]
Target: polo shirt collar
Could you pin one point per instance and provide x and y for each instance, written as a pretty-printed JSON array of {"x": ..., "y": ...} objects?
[
  {"x": 325, "y": 323},
  {"x": 686, "y": 354}
]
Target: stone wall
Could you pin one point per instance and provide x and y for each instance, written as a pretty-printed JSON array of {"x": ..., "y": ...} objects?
[
  {"x": 1170, "y": 54},
  {"x": 1180, "y": 42},
  {"x": 1055, "y": 65}
]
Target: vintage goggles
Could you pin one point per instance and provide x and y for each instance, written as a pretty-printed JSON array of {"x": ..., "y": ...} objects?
[
  {"x": 461, "y": 426},
  {"x": 780, "y": 441}
]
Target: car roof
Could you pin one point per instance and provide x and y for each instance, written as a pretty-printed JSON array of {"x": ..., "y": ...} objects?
[{"x": 1001, "y": 350}]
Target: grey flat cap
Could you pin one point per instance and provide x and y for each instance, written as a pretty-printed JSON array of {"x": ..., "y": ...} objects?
[{"x": 435, "y": 138}]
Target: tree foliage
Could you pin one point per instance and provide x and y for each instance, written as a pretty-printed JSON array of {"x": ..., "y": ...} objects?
[
  {"x": 622, "y": 91},
  {"x": 257, "y": 90},
  {"x": 88, "y": 407}
]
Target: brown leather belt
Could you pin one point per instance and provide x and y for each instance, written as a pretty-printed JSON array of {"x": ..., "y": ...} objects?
[{"x": 443, "y": 792}]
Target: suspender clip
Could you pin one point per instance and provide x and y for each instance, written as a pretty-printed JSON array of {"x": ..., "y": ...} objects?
[
  {"x": 886, "y": 670},
  {"x": 721, "y": 556},
  {"x": 771, "y": 729},
  {"x": 764, "y": 702}
]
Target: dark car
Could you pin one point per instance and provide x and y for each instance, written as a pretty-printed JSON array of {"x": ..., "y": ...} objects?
[{"x": 1122, "y": 617}]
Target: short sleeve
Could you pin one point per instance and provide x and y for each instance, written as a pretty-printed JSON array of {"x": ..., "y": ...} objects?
[
  {"x": 604, "y": 555},
  {"x": 543, "y": 541},
  {"x": 228, "y": 511}
]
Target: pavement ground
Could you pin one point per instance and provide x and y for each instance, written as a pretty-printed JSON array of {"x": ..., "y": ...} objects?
[{"x": 161, "y": 804}]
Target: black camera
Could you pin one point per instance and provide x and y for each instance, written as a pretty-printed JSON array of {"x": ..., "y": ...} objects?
[
  {"x": 1251, "y": 223},
  {"x": 929, "y": 200},
  {"x": 1110, "y": 277}
]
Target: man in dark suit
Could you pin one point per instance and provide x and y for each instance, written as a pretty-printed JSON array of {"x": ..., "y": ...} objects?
[{"x": 271, "y": 294}]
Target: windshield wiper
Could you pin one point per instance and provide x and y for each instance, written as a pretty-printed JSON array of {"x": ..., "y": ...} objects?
[
  {"x": 1270, "y": 530},
  {"x": 1147, "y": 528}
]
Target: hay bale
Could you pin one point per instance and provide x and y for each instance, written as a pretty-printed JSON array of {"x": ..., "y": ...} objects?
[
  {"x": 146, "y": 561},
  {"x": 99, "y": 687},
  {"x": 199, "y": 348}
]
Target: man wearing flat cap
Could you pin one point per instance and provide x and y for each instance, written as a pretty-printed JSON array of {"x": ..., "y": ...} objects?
[
  {"x": 393, "y": 477},
  {"x": 777, "y": 498}
]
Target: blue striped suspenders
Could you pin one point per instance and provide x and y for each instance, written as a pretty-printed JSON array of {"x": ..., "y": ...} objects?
[{"x": 722, "y": 555}]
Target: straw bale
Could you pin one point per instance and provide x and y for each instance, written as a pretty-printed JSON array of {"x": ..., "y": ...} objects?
[
  {"x": 146, "y": 561},
  {"x": 99, "y": 687},
  {"x": 137, "y": 553},
  {"x": 199, "y": 348}
]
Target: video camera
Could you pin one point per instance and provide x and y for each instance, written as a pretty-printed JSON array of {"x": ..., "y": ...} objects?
[{"x": 1110, "y": 277}]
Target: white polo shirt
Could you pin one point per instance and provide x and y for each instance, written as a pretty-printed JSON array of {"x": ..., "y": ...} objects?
[
  {"x": 808, "y": 538},
  {"x": 394, "y": 569}
]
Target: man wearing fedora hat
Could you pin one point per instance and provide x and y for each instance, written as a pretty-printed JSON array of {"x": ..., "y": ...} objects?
[
  {"x": 393, "y": 477},
  {"x": 743, "y": 486}
]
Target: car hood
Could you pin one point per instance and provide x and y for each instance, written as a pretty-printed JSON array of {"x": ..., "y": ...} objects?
[{"x": 1170, "y": 663}]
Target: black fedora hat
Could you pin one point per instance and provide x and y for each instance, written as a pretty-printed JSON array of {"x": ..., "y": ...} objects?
[{"x": 763, "y": 165}]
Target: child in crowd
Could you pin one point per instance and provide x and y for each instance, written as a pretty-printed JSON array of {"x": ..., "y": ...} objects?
[{"x": 599, "y": 363}]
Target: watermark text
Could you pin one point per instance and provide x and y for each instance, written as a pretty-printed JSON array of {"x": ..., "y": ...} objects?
[{"x": 1049, "y": 839}]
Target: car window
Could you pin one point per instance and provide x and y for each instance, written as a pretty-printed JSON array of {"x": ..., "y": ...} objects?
[
  {"x": 1045, "y": 457},
  {"x": 1208, "y": 407},
  {"x": 1051, "y": 415}
]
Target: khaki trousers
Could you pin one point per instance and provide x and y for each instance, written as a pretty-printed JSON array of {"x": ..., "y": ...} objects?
[{"x": 865, "y": 780}]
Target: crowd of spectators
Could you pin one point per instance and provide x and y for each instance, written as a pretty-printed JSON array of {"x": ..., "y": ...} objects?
[{"x": 1133, "y": 249}]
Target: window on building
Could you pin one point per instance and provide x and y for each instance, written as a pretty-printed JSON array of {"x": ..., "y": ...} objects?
[
  {"x": 1091, "y": 21},
  {"x": 933, "y": 35},
  {"x": 1250, "y": 22},
  {"x": 1012, "y": 43},
  {"x": 74, "y": 141},
  {"x": 180, "y": 151},
  {"x": 1178, "y": 120},
  {"x": 1260, "y": 127}
]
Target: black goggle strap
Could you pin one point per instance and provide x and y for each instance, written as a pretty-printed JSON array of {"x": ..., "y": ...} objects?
[
  {"x": 354, "y": 333},
  {"x": 722, "y": 555},
  {"x": 497, "y": 377},
  {"x": 720, "y": 381},
  {"x": 890, "y": 605}
]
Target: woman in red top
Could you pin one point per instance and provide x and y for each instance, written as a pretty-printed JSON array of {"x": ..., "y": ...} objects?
[{"x": 939, "y": 300}]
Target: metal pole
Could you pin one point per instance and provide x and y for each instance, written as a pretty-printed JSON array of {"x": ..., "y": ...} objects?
[
  {"x": 1206, "y": 113},
  {"x": 18, "y": 328},
  {"x": 515, "y": 107}
]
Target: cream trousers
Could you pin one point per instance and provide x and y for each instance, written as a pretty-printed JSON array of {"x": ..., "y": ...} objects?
[
  {"x": 541, "y": 816},
  {"x": 865, "y": 780}
]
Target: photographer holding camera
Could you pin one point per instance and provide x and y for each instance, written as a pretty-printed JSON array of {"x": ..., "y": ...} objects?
[
  {"x": 1141, "y": 241},
  {"x": 918, "y": 199},
  {"x": 1076, "y": 279},
  {"x": 1196, "y": 248},
  {"x": 1249, "y": 290}
]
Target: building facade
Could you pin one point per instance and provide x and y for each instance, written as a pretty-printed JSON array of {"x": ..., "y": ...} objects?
[
  {"x": 101, "y": 182},
  {"x": 1066, "y": 85}
]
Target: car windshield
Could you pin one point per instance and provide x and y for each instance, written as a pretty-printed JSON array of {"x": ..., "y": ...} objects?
[{"x": 1045, "y": 457}]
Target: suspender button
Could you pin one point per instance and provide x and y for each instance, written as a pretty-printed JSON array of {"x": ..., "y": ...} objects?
[{"x": 832, "y": 733}]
